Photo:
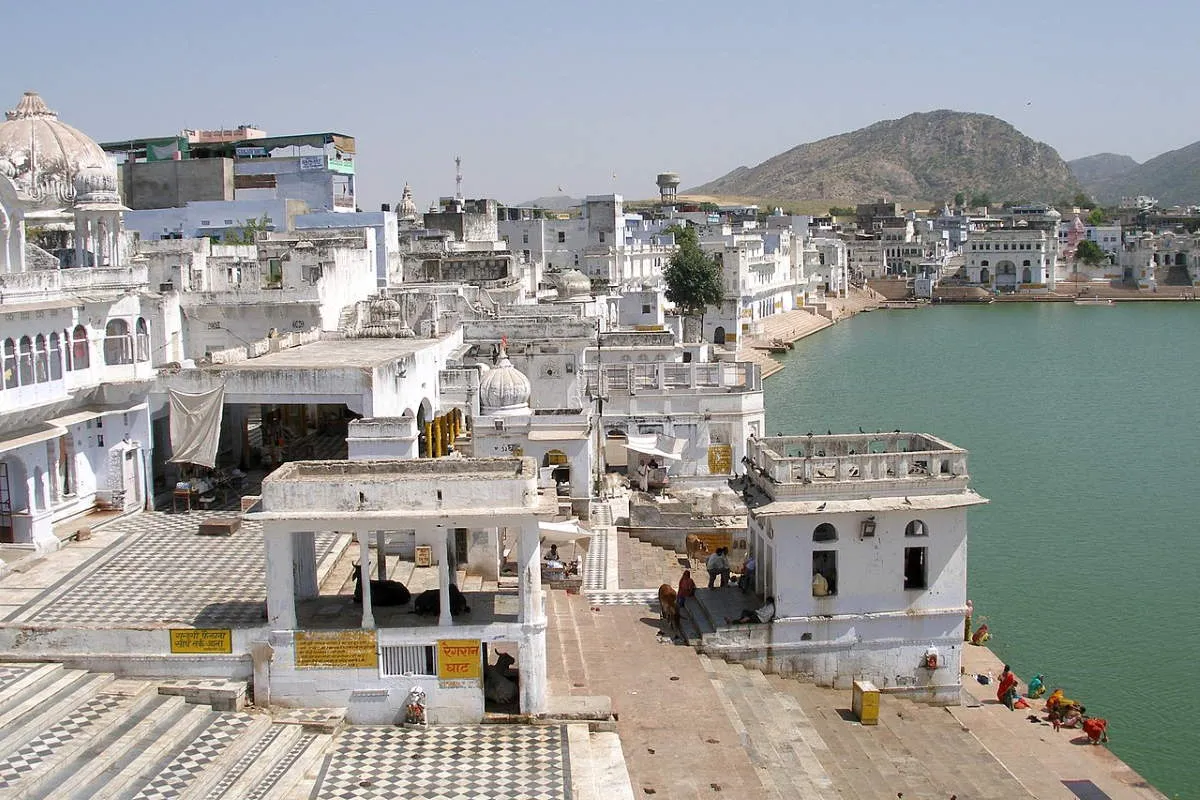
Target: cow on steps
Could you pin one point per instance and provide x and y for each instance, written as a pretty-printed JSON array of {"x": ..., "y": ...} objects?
[{"x": 383, "y": 593}]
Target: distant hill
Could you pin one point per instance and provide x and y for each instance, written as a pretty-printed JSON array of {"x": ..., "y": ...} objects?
[
  {"x": 1091, "y": 169},
  {"x": 1173, "y": 178},
  {"x": 927, "y": 156},
  {"x": 554, "y": 202}
]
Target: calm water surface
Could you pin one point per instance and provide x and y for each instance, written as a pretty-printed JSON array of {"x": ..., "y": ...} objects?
[{"x": 1084, "y": 431}]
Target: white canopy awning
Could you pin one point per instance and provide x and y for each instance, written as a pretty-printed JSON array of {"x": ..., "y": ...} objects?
[
  {"x": 563, "y": 533},
  {"x": 655, "y": 444}
]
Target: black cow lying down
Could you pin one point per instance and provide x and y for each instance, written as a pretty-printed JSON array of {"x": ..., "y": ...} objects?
[
  {"x": 430, "y": 602},
  {"x": 383, "y": 593}
]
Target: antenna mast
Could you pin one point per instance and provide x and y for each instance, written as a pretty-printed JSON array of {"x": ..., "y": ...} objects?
[{"x": 458, "y": 177}]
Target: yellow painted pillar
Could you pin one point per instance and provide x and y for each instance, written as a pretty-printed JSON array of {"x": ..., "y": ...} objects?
[
  {"x": 427, "y": 451},
  {"x": 437, "y": 438},
  {"x": 446, "y": 438}
]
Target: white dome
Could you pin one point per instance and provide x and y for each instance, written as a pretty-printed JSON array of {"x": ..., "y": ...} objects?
[
  {"x": 44, "y": 155},
  {"x": 95, "y": 184},
  {"x": 504, "y": 389},
  {"x": 573, "y": 283}
]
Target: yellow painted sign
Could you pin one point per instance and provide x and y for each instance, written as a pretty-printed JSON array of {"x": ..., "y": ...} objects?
[
  {"x": 201, "y": 640},
  {"x": 459, "y": 659},
  {"x": 720, "y": 459},
  {"x": 336, "y": 649}
]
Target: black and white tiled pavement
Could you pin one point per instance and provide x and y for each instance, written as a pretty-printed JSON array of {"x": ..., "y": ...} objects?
[
  {"x": 518, "y": 762},
  {"x": 624, "y": 597},
  {"x": 81, "y": 722},
  {"x": 595, "y": 563},
  {"x": 11, "y": 673},
  {"x": 194, "y": 759},
  {"x": 161, "y": 572}
]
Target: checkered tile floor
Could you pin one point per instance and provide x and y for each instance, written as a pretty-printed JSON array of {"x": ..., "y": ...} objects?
[
  {"x": 503, "y": 762},
  {"x": 162, "y": 572},
  {"x": 595, "y": 563},
  {"x": 234, "y": 773},
  {"x": 11, "y": 673},
  {"x": 624, "y": 597},
  {"x": 81, "y": 720},
  {"x": 206, "y": 748},
  {"x": 281, "y": 767}
]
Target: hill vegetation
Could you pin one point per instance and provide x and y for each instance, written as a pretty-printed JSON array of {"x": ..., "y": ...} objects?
[{"x": 921, "y": 158}]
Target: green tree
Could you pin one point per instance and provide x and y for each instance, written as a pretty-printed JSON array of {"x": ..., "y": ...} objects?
[
  {"x": 842, "y": 211},
  {"x": 248, "y": 232},
  {"x": 1090, "y": 253},
  {"x": 959, "y": 200},
  {"x": 1096, "y": 217},
  {"x": 1081, "y": 200},
  {"x": 980, "y": 199},
  {"x": 693, "y": 276}
]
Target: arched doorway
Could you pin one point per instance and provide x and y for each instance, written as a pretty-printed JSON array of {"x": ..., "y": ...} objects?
[
  {"x": 1027, "y": 275},
  {"x": 560, "y": 470},
  {"x": 615, "y": 452},
  {"x": 985, "y": 275},
  {"x": 719, "y": 335}
]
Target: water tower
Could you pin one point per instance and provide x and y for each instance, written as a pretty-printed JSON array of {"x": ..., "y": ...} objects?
[{"x": 668, "y": 185}]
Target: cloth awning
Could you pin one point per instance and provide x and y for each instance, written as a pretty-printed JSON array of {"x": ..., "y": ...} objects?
[
  {"x": 655, "y": 444},
  {"x": 562, "y": 533},
  {"x": 196, "y": 426}
]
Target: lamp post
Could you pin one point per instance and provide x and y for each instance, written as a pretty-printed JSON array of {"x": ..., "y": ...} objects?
[{"x": 599, "y": 417}]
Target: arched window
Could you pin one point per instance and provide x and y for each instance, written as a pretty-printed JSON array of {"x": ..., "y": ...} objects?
[
  {"x": 9, "y": 373},
  {"x": 56, "y": 357},
  {"x": 142, "y": 342},
  {"x": 117, "y": 347},
  {"x": 825, "y": 533},
  {"x": 25, "y": 361},
  {"x": 80, "y": 357},
  {"x": 916, "y": 528},
  {"x": 41, "y": 360}
]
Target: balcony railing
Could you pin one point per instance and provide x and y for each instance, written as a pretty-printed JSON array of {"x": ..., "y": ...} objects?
[
  {"x": 856, "y": 458},
  {"x": 667, "y": 376}
]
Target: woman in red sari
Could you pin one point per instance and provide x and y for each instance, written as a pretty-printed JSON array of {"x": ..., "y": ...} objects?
[{"x": 1008, "y": 681}]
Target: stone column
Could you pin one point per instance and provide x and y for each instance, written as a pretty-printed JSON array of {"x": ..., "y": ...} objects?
[
  {"x": 529, "y": 572},
  {"x": 281, "y": 600},
  {"x": 444, "y": 577},
  {"x": 364, "y": 573},
  {"x": 305, "y": 558},
  {"x": 533, "y": 668},
  {"x": 380, "y": 542}
]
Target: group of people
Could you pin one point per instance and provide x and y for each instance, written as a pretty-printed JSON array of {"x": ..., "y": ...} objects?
[
  {"x": 1061, "y": 711},
  {"x": 719, "y": 570}
]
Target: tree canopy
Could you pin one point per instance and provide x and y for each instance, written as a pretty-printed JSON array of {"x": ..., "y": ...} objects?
[
  {"x": 248, "y": 232},
  {"x": 693, "y": 277},
  {"x": 1089, "y": 253},
  {"x": 1096, "y": 217}
]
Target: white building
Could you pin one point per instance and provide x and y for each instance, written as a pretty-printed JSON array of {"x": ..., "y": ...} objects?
[
  {"x": 758, "y": 276},
  {"x": 437, "y": 504},
  {"x": 77, "y": 344},
  {"x": 882, "y": 520},
  {"x": 1011, "y": 259}
]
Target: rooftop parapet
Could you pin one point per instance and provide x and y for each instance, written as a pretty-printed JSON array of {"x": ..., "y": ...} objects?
[
  {"x": 669, "y": 376},
  {"x": 413, "y": 487},
  {"x": 844, "y": 466}
]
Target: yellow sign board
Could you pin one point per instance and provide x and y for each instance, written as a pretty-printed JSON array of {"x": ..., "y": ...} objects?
[
  {"x": 720, "y": 459},
  {"x": 459, "y": 659},
  {"x": 201, "y": 640},
  {"x": 336, "y": 649}
]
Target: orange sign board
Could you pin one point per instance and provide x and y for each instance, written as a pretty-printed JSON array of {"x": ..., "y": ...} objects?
[
  {"x": 353, "y": 649},
  {"x": 460, "y": 659},
  {"x": 720, "y": 459},
  {"x": 201, "y": 640}
]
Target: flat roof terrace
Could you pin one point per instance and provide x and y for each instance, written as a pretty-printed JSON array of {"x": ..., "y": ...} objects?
[{"x": 845, "y": 466}]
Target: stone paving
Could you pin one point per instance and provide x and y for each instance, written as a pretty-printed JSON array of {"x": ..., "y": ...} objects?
[{"x": 155, "y": 570}]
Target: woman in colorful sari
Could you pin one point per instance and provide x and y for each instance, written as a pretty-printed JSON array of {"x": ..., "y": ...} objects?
[
  {"x": 1008, "y": 683},
  {"x": 1037, "y": 686}
]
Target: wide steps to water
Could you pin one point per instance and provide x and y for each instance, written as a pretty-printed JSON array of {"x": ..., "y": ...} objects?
[{"x": 69, "y": 734}]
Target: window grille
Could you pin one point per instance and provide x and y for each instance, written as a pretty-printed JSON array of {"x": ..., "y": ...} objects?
[{"x": 405, "y": 659}]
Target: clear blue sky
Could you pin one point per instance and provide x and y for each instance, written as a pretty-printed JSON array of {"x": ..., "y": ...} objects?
[{"x": 537, "y": 95}]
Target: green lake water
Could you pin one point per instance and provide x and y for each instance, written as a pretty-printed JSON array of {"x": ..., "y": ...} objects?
[{"x": 1083, "y": 425}]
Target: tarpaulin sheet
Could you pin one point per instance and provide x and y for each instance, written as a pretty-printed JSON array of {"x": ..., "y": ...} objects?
[{"x": 196, "y": 426}]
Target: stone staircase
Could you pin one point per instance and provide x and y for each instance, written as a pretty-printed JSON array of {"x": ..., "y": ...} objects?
[
  {"x": 67, "y": 733},
  {"x": 805, "y": 743}
]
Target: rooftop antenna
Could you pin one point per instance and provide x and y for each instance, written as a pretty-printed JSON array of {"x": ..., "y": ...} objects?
[{"x": 458, "y": 178}]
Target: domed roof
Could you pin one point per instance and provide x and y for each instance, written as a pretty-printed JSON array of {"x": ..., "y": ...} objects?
[
  {"x": 504, "y": 389},
  {"x": 573, "y": 283},
  {"x": 408, "y": 207},
  {"x": 1054, "y": 214},
  {"x": 43, "y": 155}
]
